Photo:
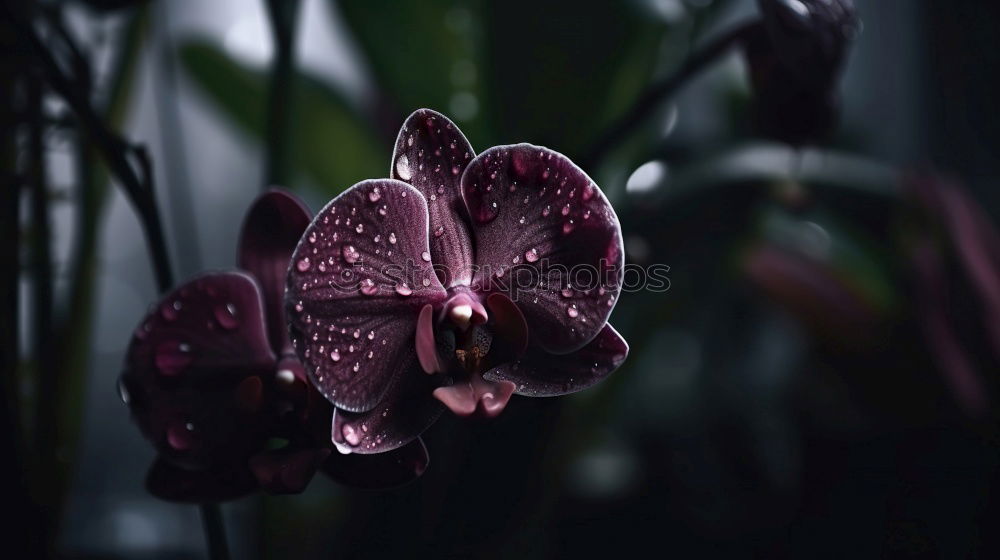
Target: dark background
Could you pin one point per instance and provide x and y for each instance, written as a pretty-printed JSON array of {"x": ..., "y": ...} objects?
[{"x": 744, "y": 424}]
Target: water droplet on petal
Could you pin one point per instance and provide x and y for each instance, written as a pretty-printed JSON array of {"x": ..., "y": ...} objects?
[
  {"x": 226, "y": 316},
  {"x": 546, "y": 211},
  {"x": 335, "y": 355},
  {"x": 173, "y": 357},
  {"x": 392, "y": 238},
  {"x": 403, "y": 289},
  {"x": 123, "y": 392},
  {"x": 403, "y": 168},
  {"x": 351, "y": 435},
  {"x": 371, "y": 335},
  {"x": 350, "y": 254},
  {"x": 531, "y": 255},
  {"x": 179, "y": 436},
  {"x": 425, "y": 256},
  {"x": 572, "y": 311},
  {"x": 303, "y": 264},
  {"x": 360, "y": 228},
  {"x": 357, "y": 333},
  {"x": 375, "y": 195},
  {"x": 368, "y": 287},
  {"x": 565, "y": 210},
  {"x": 439, "y": 231}
]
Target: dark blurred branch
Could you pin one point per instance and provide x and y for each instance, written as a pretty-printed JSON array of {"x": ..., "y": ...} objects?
[
  {"x": 655, "y": 94},
  {"x": 116, "y": 151},
  {"x": 283, "y": 15},
  {"x": 215, "y": 531}
]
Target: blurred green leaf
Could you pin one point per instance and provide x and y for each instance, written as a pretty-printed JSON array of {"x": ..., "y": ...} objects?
[
  {"x": 422, "y": 54},
  {"x": 332, "y": 144},
  {"x": 558, "y": 73}
]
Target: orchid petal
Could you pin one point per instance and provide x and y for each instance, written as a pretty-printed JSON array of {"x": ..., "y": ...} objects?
[
  {"x": 219, "y": 484},
  {"x": 405, "y": 412},
  {"x": 426, "y": 348},
  {"x": 271, "y": 230},
  {"x": 379, "y": 472},
  {"x": 187, "y": 370},
  {"x": 358, "y": 280},
  {"x": 287, "y": 470},
  {"x": 537, "y": 217},
  {"x": 431, "y": 154},
  {"x": 540, "y": 374}
]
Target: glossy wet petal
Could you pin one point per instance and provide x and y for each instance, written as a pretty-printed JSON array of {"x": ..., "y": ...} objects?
[
  {"x": 357, "y": 283},
  {"x": 271, "y": 230},
  {"x": 382, "y": 471},
  {"x": 220, "y": 484},
  {"x": 186, "y": 367},
  {"x": 287, "y": 470},
  {"x": 431, "y": 154},
  {"x": 548, "y": 238},
  {"x": 487, "y": 398},
  {"x": 406, "y": 411},
  {"x": 539, "y": 374}
]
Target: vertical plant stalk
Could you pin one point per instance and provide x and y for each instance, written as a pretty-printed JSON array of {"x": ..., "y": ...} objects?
[
  {"x": 283, "y": 15},
  {"x": 656, "y": 93},
  {"x": 45, "y": 423},
  {"x": 215, "y": 531},
  {"x": 138, "y": 187}
]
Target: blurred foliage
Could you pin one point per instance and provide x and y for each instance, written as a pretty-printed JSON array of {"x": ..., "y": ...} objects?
[{"x": 331, "y": 144}]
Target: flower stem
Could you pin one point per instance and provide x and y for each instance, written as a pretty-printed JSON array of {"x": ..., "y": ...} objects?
[
  {"x": 283, "y": 15},
  {"x": 215, "y": 531},
  {"x": 656, "y": 93},
  {"x": 118, "y": 153}
]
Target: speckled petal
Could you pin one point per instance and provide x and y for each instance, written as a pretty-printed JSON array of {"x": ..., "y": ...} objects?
[
  {"x": 548, "y": 238},
  {"x": 358, "y": 280},
  {"x": 540, "y": 374},
  {"x": 406, "y": 411},
  {"x": 271, "y": 230},
  {"x": 185, "y": 367},
  {"x": 379, "y": 472},
  {"x": 431, "y": 154}
]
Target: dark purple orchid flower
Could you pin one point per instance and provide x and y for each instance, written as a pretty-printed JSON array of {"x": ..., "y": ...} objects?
[
  {"x": 461, "y": 280},
  {"x": 795, "y": 61},
  {"x": 212, "y": 381}
]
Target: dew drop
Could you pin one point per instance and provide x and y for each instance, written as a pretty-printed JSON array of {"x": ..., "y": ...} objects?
[
  {"x": 392, "y": 238},
  {"x": 173, "y": 357},
  {"x": 335, "y": 355},
  {"x": 567, "y": 292},
  {"x": 546, "y": 211},
  {"x": 360, "y": 228},
  {"x": 368, "y": 287},
  {"x": 439, "y": 231},
  {"x": 226, "y": 316},
  {"x": 403, "y": 289},
  {"x": 123, "y": 392},
  {"x": 350, "y": 254},
  {"x": 371, "y": 335},
  {"x": 572, "y": 311},
  {"x": 568, "y": 227},
  {"x": 357, "y": 366},
  {"x": 351, "y": 435},
  {"x": 403, "y": 168},
  {"x": 312, "y": 237},
  {"x": 357, "y": 333},
  {"x": 425, "y": 256},
  {"x": 374, "y": 195},
  {"x": 565, "y": 210}
]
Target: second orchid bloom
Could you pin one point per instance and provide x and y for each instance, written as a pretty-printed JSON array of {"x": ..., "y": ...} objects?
[{"x": 456, "y": 283}]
